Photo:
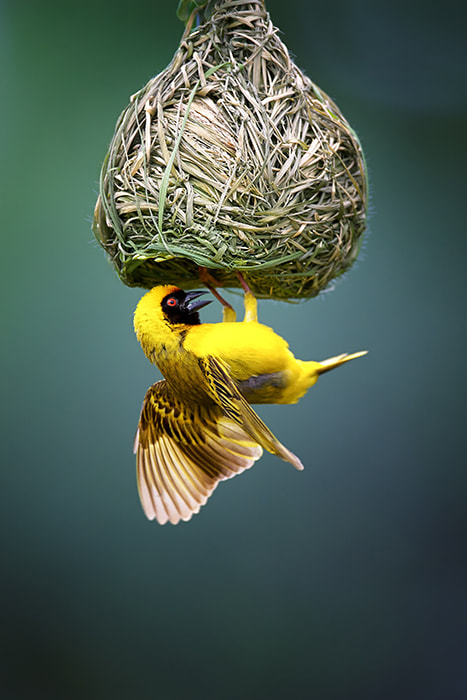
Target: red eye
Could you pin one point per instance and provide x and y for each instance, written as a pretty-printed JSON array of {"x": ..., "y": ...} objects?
[{"x": 171, "y": 302}]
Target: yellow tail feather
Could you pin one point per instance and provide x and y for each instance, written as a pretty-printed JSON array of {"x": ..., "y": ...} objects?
[{"x": 333, "y": 362}]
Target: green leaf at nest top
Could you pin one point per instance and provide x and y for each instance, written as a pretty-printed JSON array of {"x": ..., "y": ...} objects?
[{"x": 186, "y": 7}]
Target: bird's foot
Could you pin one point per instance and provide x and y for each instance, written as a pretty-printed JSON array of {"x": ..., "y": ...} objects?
[
  {"x": 207, "y": 278},
  {"x": 211, "y": 283},
  {"x": 242, "y": 281}
]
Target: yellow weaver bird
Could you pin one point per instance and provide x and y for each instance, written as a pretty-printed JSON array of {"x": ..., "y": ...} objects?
[{"x": 197, "y": 426}]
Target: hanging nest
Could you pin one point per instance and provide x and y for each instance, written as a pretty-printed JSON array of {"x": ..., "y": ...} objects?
[{"x": 232, "y": 159}]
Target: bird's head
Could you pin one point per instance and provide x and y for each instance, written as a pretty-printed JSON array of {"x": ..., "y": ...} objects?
[
  {"x": 170, "y": 305},
  {"x": 182, "y": 307}
]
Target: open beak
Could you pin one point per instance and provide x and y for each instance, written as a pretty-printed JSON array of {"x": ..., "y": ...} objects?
[{"x": 191, "y": 304}]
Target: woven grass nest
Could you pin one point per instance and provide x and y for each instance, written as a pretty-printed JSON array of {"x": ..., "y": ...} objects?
[{"x": 232, "y": 159}]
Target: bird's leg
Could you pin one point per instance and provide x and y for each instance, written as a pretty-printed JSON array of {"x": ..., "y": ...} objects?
[
  {"x": 251, "y": 305},
  {"x": 228, "y": 313}
]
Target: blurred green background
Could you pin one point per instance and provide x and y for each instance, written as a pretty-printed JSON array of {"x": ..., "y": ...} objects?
[{"x": 348, "y": 580}]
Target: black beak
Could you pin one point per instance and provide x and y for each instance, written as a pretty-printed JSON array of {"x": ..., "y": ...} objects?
[{"x": 191, "y": 305}]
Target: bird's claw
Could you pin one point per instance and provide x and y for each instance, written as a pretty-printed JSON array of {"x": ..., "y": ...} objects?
[
  {"x": 207, "y": 278},
  {"x": 211, "y": 283},
  {"x": 242, "y": 281}
]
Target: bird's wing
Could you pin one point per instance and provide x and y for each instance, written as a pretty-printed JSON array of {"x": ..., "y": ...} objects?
[
  {"x": 183, "y": 453},
  {"x": 236, "y": 407}
]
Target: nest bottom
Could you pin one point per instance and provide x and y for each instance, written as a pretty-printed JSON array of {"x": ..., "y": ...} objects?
[{"x": 280, "y": 284}]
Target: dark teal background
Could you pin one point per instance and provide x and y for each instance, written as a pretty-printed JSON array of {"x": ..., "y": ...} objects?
[{"x": 348, "y": 580}]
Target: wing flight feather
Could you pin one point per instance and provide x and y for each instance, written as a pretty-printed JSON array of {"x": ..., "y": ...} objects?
[
  {"x": 182, "y": 456},
  {"x": 237, "y": 408}
]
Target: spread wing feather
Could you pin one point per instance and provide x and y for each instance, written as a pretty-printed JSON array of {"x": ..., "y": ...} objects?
[
  {"x": 237, "y": 408},
  {"x": 182, "y": 453}
]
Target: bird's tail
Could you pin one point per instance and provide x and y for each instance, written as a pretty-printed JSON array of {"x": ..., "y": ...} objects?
[{"x": 333, "y": 362}]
